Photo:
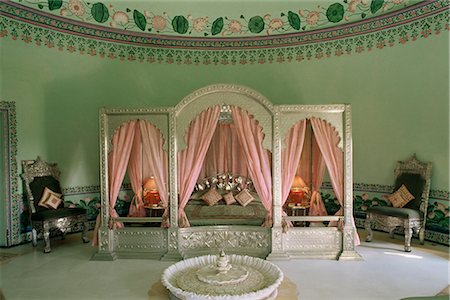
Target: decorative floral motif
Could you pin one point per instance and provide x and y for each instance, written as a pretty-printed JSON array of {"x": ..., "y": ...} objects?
[
  {"x": 76, "y": 7},
  {"x": 421, "y": 22},
  {"x": 281, "y": 22}
]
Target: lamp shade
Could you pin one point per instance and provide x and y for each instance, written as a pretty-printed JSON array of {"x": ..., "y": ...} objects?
[
  {"x": 150, "y": 184},
  {"x": 298, "y": 183}
]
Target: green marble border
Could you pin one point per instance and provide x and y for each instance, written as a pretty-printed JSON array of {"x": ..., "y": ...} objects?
[
  {"x": 14, "y": 205},
  {"x": 397, "y": 28}
]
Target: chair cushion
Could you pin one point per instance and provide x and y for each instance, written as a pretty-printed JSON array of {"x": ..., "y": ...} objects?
[
  {"x": 403, "y": 213},
  {"x": 48, "y": 214},
  {"x": 38, "y": 186},
  {"x": 400, "y": 197},
  {"x": 415, "y": 184}
]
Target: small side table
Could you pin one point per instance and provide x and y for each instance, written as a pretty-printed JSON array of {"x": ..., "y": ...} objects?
[
  {"x": 300, "y": 210},
  {"x": 154, "y": 211}
]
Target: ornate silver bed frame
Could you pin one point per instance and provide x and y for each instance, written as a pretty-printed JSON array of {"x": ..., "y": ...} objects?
[{"x": 175, "y": 243}]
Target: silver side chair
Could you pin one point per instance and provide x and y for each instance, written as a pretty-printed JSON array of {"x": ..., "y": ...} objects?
[
  {"x": 415, "y": 176},
  {"x": 39, "y": 178}
]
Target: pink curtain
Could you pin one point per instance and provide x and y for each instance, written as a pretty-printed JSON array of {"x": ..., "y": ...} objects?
[
  {"x": 327, "y": 139},
  {"x": 117, "y": 162},
  {"x": 190, "y": 160},
  {"x": 251, "y": 137},
  {"x": 290, "y": 158},
  {"x": 225, "y": 153},
  {"x": 155, "y": 162},
  {"x": 316, "y": 208},
  {"x": 135, "y": 174}
]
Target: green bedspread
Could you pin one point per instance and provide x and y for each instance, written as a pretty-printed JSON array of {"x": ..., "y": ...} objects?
[{"x": 200, "y": 214}]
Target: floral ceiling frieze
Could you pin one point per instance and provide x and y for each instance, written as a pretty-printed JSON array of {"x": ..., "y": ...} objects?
[
  {"x": 38, "y": 27},
  {"x": 246, "y": 20}
]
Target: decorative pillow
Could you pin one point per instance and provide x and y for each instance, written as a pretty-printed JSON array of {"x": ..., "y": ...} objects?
[
  {"x": 244, "y": 197},
  {"x": 53, "y": 201},
  {"x": 400, "y": 197},
  {"x": 211, "y": 197},
  {"x": 45, "y": 196},
  {"x": 197, "y": 195},
  {"x": 229, "y": 198}
]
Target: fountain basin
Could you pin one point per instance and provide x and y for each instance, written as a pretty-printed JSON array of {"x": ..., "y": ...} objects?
[{"x": 186, "y": 279}]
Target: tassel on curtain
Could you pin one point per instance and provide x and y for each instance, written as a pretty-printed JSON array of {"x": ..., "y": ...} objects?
[
  {"x": 328, "y": 140},
  {"x": 190, "y": 160},
  {"x": 251, "y": 138}
]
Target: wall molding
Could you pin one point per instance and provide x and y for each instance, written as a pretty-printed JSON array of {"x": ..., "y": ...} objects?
[
  {"x": 12, "y": 200},
  {"x": 32, "y": 26}
]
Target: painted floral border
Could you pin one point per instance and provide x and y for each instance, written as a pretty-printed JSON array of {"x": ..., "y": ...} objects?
[
  {"x": 296, "y": 19},
  {"x": 13, "y": 237},
  {"x": 396, "y": 28}
]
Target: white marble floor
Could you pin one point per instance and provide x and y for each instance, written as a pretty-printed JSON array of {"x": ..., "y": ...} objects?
[{"x": 386, "y": 272}]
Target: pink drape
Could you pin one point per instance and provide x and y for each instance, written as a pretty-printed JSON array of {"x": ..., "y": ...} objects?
[
  {"x": 135, "y": 174},
  {"x": 290, "y": 158},
  {"x": 251, "y": 137},
  {"x": 155, "y": 162},
  {"x": 117, "y": 162},
  {"x": 316, "y": 208},
  {"x": 225, "y": 154},
  {"x": 190, "y": 160},
  {"x": 327, "y": 139}
]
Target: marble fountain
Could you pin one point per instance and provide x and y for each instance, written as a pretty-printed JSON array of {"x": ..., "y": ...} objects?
[{"x": 223, "y": 277}]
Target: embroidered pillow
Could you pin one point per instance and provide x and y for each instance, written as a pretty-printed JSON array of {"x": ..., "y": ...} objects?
[
  {"x": 53, "y": 201},
  {"x": 229, "y": 198},
  {"x": 211, "y": 197},
  {"x": 400, "y": 197},
  {"x": 45, "y": 195},
  {"x": 244, "y": 197}
]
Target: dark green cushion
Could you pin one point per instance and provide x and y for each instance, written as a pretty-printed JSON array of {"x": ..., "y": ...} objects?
[
  {"x": 394, "y": 212},
  {"x": 415, "y": 184},
  {"x": 48, "y": 214}
]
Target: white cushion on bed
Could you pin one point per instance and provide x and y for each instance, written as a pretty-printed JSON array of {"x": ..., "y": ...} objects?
[
  {"x": 244, "y": 197},
  {"x": 229, "y": 198},
  {"x": 211, "y": 197}
]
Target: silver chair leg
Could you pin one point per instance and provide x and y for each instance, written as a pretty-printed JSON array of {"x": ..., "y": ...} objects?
[
  {"x": 47, "y": 248},
  {"x": 422, "y": 235},
  {"x": 34, "y": 237},
  {"x": 408, "y": 235},
  {"x": 367, "y": 225},
  {"x": 85, "y": 230}
]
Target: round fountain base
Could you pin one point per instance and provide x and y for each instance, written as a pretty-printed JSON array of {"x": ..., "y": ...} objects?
[{"x": 208, "y": 278}]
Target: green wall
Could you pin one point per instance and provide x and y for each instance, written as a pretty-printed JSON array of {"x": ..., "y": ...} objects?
[{"x": 399, "y": 96}]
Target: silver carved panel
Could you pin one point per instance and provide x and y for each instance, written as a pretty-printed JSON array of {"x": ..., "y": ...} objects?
[
  {"x": 148, "y": 239},
  {"x": 313, "y": 239},
  {"x": 248, "y": 99},
  {"x": 223, "y": 238},
  {"x": 291, "y": 114}
]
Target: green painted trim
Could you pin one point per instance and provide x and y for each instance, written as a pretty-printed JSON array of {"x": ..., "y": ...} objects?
[
  {"x": 159, "y": 20},
  {"x": 398, "y": 28}
]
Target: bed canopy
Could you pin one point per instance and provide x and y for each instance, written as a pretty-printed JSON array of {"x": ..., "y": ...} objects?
[{"x": 235, "y": 133}]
